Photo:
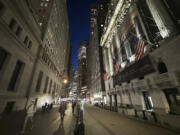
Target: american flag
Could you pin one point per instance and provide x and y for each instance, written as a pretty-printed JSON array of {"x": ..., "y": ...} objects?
[
  {"x": 139, "y": 50},
  {"x": 116, "y": 67},
  {"x": 105, "y": 76}
]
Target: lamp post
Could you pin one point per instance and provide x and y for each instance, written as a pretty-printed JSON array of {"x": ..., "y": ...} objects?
[{"x": 65, "y": 81}]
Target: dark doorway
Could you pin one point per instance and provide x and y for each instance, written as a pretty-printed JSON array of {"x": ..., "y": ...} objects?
[
  {"x": 162, "y": 67},
  {"x": 115, "y": 102},
  {"x": 173, "y": 98},
  {"x": 9, "y": 107}
]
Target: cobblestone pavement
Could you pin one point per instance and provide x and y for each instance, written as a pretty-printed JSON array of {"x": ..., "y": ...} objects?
[{"x": 115, "y": 124}]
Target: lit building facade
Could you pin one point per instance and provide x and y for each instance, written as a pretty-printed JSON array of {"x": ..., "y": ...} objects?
[
  {"x": 31, "y": 57},
  {"x": 82, "y": 68},
  {"x": 140, "y": 57},
  {"x": 73, "y": 85}
]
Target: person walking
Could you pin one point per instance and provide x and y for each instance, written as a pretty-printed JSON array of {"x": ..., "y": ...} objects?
[
  {"x": 62, "y": 110},
  {"x": 30, "y": 110},
  {"x": 73, "y": 106}
]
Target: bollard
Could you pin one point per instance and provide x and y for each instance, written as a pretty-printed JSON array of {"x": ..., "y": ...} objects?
[{"x": 80, "y": 127}]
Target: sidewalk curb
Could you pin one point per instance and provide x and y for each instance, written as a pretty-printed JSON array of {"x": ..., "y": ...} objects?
[{"x": 141, "y": 120}]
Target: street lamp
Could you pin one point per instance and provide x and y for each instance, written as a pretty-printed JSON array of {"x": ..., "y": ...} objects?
[{"x": 65, "y": 81}]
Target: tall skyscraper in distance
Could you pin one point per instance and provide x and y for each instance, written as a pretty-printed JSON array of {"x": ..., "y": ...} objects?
[
  {"x": 95, "y": 60},
  {"x": 82, "y": 68}
]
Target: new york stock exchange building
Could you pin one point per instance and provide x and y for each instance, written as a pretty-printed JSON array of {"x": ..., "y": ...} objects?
[{"x": 141, "y": 58}]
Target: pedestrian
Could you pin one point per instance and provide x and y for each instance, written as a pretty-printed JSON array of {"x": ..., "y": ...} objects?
[
  {"x": 62, "y": 110},
  {"x": 47, "y": 108},
  {"x": 30, "y": 110},
  {"x": 51, "y": 106},
  {"x": 73, "y": 106},
  {"x": 102, "y": 105}
]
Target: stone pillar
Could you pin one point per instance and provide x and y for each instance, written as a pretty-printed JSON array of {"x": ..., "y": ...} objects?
[
  {"x": 139, "y": 32},
  {"x": 105, "y": 59},
  {"x": 161, "y": 18},
  {"x": 110, "y": 61},
  {"x": 117, "y": 41},
  {"x": 142, "y": 25}
]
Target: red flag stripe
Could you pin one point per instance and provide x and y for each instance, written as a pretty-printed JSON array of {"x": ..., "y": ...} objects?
[
  {"x": 142, "y": 51},
  {"x": 139, "y": 49},
  {"x": 116, "y": 67}
]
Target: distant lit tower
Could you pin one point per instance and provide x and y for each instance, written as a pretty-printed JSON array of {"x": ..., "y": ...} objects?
[
  {"x": 82, "y": 68},
  {"x": 96, "y": 85}
]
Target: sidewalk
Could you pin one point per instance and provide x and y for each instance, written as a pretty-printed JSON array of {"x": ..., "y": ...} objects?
[
  {"x": 119, "y": 125},
  {"x": 93, "y": 127},
  {"x": 46, "y": 123}
]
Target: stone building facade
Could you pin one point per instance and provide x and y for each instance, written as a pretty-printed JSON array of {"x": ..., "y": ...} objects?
[
  {"x": 141, "y": 59},
  {"x": 31, "y": 58}
]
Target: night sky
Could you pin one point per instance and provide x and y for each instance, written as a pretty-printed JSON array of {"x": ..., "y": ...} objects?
[{"x": 79, "y": 13}]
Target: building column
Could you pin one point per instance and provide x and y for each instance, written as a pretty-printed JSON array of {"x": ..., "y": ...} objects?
[
  {"x": 105, "y": 59},
  {"x": 117, "y": 41},
  {"x": 111, "y": 70},
  {"x": 142, "y": 25},
  {"x": 161, "y": 18}
]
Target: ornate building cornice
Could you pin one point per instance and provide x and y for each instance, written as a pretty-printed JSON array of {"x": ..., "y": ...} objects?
[{"x": 120, "y": 12}]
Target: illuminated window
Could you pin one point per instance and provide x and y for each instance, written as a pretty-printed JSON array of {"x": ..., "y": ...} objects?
[
  {"x": 45, "y": 4},
  {"x": 42, "y": 4},
  {"x": 40, "y": 24}
]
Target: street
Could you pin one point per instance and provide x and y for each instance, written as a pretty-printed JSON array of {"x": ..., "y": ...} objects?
[
  {"x": 49, "y": 123},
  {"x": 97, "y": 121}
]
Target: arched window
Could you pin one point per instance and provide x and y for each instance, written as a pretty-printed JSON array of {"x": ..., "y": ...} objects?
[{"x": 162, "y": 67}]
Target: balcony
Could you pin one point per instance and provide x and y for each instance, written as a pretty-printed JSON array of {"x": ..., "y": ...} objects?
[{"x": 134, "y": 71}]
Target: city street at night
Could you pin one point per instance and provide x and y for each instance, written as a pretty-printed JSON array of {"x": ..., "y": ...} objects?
[
  {"x": 89, "y": 67},
  {"x": 97, "y": 122}
]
